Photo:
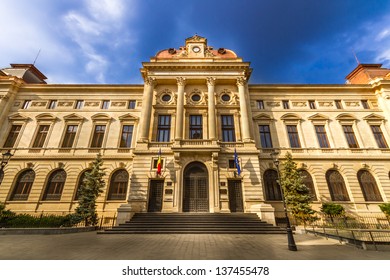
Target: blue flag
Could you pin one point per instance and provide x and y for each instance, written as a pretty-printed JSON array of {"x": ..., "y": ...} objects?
[{"x": 237, "y": 162}]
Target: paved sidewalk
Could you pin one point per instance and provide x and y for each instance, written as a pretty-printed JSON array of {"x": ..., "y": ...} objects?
[{"x": 91, "y": 246}]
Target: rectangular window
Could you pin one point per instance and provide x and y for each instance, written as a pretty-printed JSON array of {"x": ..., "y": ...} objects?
[
  {"x": 70, "y": 135},
  {"x": 228, "y": 132},
  {"x": 12, "y": 136},
  {"x": 164, "y": 128},
  {"x": 26, "y": 104},
  {"x": 286, "y": 104},
  {"x": 79, "y": 104},
  {"x": 265, "y": 136},
  {"x": 379, "y": 138},
  {"x": 131, "y": 104},
  {"x": 196, "y": 127},
  {"x": 350, "y": 135},
  {"x": 260, "y": 104},
  {"x": 52, "y": 104},
  {"x": 126, "y": 137},
  {"x": 365, "y": 104},
  {"x": 321, "y": 136},
  {"x": 293, "y": 136},
  {"x": 338, "y": 104},
  {"x": 98, "y": 136},
  {"x": 105, "y": 104},
  {"x": 41, "y": 136},
  {"x": 312, "y": 104}
]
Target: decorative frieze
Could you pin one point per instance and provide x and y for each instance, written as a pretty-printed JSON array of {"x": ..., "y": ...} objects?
[
  {"x": 325, "y": 103},
  {"x": 118, "y": 103},
  {"x": 38, "y": 104},
  {"x": 273, "y": 104},
  {"x": 65, "y": 104},
  {"x": 92, "y": 103},
  {"x": 299, "y": 103},
  {"x": 352, "y": 103}
]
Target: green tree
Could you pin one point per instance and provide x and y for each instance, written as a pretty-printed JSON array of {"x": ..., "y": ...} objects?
[
  {"x": 296, "y": 194},
  {"x": 385, "y": 208},
  {"x": 92, "y": 186}
]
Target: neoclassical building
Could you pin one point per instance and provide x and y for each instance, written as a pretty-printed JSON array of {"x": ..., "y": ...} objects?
[{"x": 194, "y": 110}]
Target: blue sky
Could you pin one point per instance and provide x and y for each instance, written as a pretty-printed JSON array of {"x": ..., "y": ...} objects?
[{"x": 105, "y": 41}]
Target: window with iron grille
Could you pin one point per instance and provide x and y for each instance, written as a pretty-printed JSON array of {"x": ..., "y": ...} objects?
[
  {"x": 55, "y": 185},
  {"x": 228, "y": 131},
  {"x": 265, "y": 136},
  {"x": 379, "y": 138},
  {"x": 23, "y": 185},
  {"x": 293, "y": 136},
  {"x": 98, "y": 136},
  {"x": 164, "y": 128},
  {"x": 70, "y": 135},
  {"x": 40, "y": 138},
  {"x": 12, "y": 136},
  {"x": 126, "y": 137},
  {"x": 368, "y": 185},
  {"x": 196, "y": 127},
  {"x": 321, "y": 136},
  {"x": 336, "y": 185},
  {"x": 350, "y": 136},
  {"x": 118, "y": 185}
]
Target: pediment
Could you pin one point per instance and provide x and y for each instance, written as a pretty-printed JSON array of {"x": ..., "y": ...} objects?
[
  {"x": 101, "y": 117},
  {"x": 18, "y": 117},
  {"x": 290, "y": 116},
  {"x": 128, "y": 117},
  {"x": 345, "y": 117},
  {"x": 46, "y": 117},
  {"x": 74, "y": 117},
  {"x": 263, "y": 117},
  {"x": 374, "y": 117},
  {"x": 318, "y": 117}
]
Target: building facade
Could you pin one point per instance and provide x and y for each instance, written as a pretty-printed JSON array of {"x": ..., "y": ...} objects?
[{"x": 193, "y": 113}]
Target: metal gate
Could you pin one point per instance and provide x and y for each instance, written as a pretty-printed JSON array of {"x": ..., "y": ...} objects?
[
  {"x": 196, "y": 193},
  {"x": 155, "y": 195},
  {"x": 235, "y": 196}
]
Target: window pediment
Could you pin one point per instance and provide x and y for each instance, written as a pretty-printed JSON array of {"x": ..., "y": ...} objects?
[
  {"x": 291, "y": 117},
  {"x": 128, "y": 117},
  {"x": 101, "y": 117},
  {"x": 318, "y": 117},
  {"x": 18, "y": 117},
  {"x": 263, "y": 117},
  {"x": 346, "y": 117},
  {"x": 74, "y": 117},
  {"x": 374, "y": 119},
  {"x": 46, "y": 117}
]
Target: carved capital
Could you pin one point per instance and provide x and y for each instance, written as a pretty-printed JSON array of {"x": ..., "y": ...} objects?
[
  {"x": 210, "y": 81},
  {"x": 241, "y": 81},
  {"x": 150, "y": 81},
  {"x": 5, "y": 97},
  {"x": 181, "y": 81}
]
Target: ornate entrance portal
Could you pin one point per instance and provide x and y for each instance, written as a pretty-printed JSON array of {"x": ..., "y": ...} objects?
[{"x": 196, "y": 188}]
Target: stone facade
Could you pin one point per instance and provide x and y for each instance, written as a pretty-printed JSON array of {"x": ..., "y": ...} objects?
[{"x": 194, "y": 110}]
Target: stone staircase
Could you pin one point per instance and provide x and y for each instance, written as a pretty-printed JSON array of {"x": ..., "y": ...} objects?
[{"x": 221, "y": 223}]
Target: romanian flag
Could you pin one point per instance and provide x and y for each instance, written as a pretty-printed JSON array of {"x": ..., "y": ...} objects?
[
  {"x": 237, "y": 162},
  {"x": 159, "y": 163}
]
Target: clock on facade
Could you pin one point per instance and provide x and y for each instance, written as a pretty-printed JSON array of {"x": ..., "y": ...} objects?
[{"x": 196, "y": 49}]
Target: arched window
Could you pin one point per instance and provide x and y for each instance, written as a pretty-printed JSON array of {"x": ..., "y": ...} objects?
[
  {"x": 80, "y": 182},
  {"x": 272, "y": 189},
  {"x": 336, "y": 185},
  {"x": 308, "y": 181},
  {"x": 23, "y": 185},
  {"x": 55, "y": 185},
  {"x": 1, "y": 175},
  {"x": 368, "y": 185},
  {"x": 118, "y": 185}
]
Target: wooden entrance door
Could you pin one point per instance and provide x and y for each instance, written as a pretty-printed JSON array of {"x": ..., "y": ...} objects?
[
  {"x": 155, "y": 195},
  {"x": 196, "y": 189},
  {"x": 235, "y": 196}
]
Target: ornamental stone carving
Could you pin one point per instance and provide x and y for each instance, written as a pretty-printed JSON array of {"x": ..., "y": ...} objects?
[
  {"x": 150, "y": 81},
  {"x": 38, "y": 104},
  {"x": 325, "y": 103},
  {"x": 352, "y": 103},
  {"x": 241, "y": 81},
  {"x": 118, "y": 104},
  {"x": 65, "y": 104},
  {"x": 273, "y": 104},
  {"x": 299, "y": 104},
  {"x": 181, "y": 81},
  {"x": 92, "y": 103},
  {"x": 210, "y": 81}
]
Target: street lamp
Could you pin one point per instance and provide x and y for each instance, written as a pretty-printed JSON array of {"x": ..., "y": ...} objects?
[
  {"x": 290, "y": 236},
  {"x": 4, "y": 161}
]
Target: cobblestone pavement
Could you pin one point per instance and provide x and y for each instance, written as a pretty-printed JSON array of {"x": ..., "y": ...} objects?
[{"x": 91, "y": 246}]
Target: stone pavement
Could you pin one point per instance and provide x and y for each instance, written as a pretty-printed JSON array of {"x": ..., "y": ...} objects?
[{"x": 91, "y": 246}]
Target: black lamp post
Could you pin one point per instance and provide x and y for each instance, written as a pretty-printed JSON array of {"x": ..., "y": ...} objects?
[
  {"x": 4, "y": 161},
  {"x": 290, "y": 236}
]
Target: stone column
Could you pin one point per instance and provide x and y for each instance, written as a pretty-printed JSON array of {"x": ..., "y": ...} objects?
[
  {"x": 241, "y": 84},
  {"x": 211, "y": 108},
  {"x": 146, "y": 112},
  {"x": 181, "y": 82}
]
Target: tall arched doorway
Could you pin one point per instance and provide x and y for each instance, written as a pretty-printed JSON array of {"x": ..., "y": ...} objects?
[{"x": 195, "y": 188}]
